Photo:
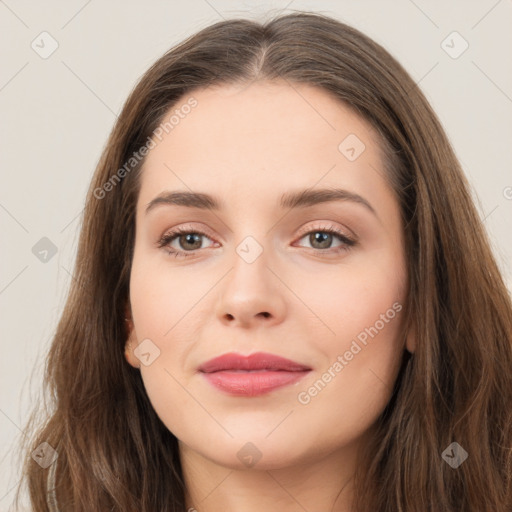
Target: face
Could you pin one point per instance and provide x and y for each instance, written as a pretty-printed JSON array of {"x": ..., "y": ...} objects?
[{"x": 317, "y": 278}]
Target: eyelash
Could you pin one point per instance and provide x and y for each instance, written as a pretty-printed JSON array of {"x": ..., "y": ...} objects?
[{"x": 167, "y": 238}]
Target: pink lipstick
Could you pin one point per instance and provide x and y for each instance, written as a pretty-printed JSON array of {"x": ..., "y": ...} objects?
[{"x": 252, "y": 375}]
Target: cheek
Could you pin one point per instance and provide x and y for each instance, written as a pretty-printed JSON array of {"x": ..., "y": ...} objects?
[
  {"x": 361, "y": 307},
  {"x": 362, "y": 360},
  {"x": 162, "y": 295},
  {"x": 160, "y": 304},
  {"x": 357, "y": 300}
]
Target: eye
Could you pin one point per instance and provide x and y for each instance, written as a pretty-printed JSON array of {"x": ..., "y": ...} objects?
[
  {"x": 322, "y": 239},
  {"x": 188, "y": 241}
]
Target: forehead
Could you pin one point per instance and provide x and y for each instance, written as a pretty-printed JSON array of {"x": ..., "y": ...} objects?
[{"x": 266, "y": 136}]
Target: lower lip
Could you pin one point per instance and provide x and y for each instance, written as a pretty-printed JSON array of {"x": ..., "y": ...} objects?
[{"x": 244, "y": 383}]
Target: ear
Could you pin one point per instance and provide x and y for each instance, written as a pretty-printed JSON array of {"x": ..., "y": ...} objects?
[{"x": 131, "y": 340}]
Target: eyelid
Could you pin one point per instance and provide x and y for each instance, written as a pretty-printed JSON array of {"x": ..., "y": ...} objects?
[
  {"x": 328, "y": 226},
  {"x": 188, "y": 228}
]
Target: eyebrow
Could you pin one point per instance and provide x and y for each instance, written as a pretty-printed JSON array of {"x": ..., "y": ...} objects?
[{"x": 291, "y": 200}]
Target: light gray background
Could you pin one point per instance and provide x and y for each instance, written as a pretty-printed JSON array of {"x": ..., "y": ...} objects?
[{"x": 57, "y": 113}]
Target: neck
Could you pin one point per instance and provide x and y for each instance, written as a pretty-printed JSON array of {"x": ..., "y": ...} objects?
[{"x": 323, "y": 484}]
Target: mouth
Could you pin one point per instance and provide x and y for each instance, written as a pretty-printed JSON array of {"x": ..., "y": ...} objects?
[{"x": 252, "y": 375}]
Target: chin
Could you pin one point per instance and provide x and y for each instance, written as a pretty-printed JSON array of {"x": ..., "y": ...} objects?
[{"x": 251, "y": 452}]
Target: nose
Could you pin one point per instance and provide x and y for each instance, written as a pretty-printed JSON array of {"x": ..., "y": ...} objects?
[{"x": 251, "y": 295}]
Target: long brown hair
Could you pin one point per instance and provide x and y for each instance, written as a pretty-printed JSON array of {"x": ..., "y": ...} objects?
[{"x": 114, "y": 453}]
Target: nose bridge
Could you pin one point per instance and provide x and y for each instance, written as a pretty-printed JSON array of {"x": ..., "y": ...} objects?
[{"x": 251, "y": 293}]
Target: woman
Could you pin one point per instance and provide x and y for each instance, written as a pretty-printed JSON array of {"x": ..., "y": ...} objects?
[{"x": 337, "y": 336}]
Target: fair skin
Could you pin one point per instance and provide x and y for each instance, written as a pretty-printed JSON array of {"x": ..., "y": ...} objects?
[{"x": 301, "y": 298}]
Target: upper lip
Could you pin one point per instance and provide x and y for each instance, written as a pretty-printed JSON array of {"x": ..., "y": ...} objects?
[{"x": 257, "y": 361}]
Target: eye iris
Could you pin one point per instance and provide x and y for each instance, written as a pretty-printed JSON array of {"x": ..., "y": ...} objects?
[
  {"x": 322, "y": 237},
  {"x": 192, "y": 238}
]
